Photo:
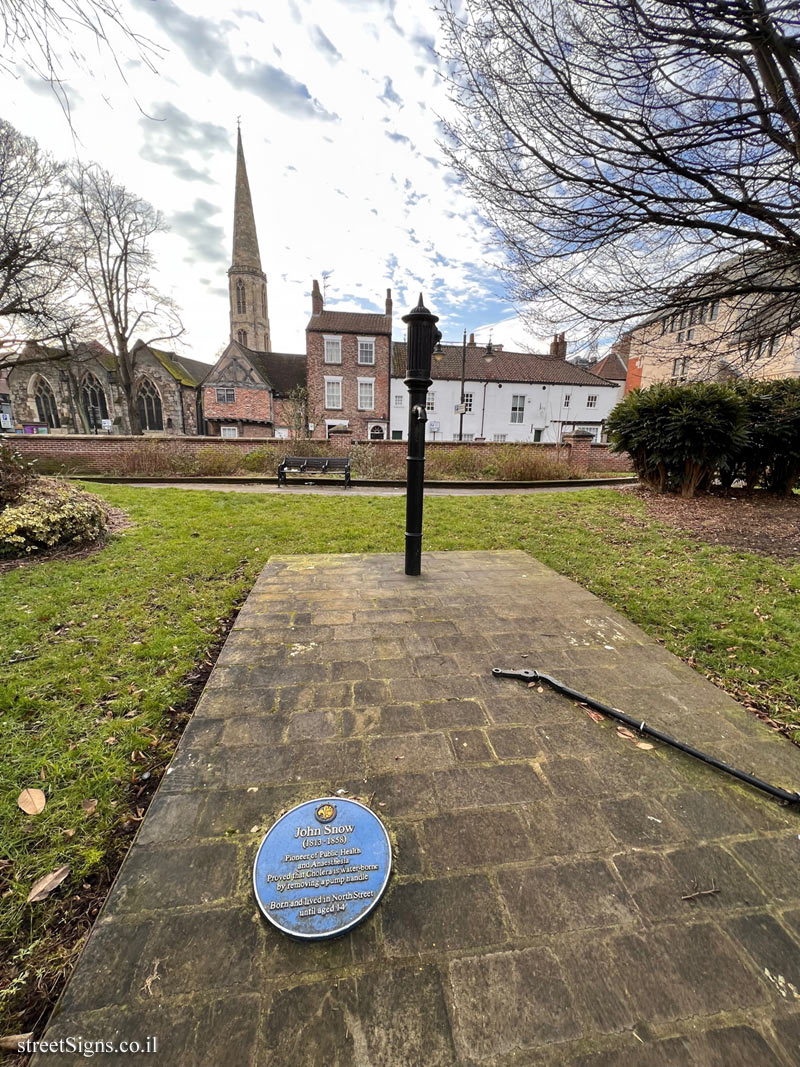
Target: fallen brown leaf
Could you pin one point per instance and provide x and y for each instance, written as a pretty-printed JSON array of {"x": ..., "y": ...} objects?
[
  {"x": 644, "y": 744},
  {"x": 623, "y": 731},
  {"x": 42, "y": 889},
  {"x": 89, "y": 806},
  {"x": 32, "y": 801}
]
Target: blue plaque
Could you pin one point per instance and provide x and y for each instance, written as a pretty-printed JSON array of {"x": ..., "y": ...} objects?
[{"x": 322, "y": 868}]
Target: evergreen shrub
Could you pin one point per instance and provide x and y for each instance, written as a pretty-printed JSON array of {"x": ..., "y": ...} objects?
[
  {"x": 16, "y": 474},
  {"x": 49, "y": 513},
  {"x": 682, "y": 437}
]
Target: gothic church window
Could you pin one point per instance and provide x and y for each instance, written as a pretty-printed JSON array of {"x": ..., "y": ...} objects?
[
  {"x": 264, "y": 300},
  {"x": 241, "y": 337},
  {"x": 93, "y": 400},
  {"x": 46, "y": 404},
  {"x": 241, "y": 302},
  {"x": 148, "y": 401}
]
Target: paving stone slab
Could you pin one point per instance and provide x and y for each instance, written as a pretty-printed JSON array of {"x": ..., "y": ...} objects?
[{"x": 558, "y": 896}]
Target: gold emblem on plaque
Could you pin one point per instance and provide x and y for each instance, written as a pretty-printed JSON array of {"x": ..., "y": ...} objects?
[{"x": 325, "y": 812}]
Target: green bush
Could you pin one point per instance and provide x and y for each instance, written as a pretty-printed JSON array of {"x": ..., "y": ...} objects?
[
  {"x": 680, "y": 436},
  {"x": 263, "y": 460},
  {"x": 50, "y": 513},
  {"x": 16, "y": 474},
  {"x": 779, "y": 436},
  {"x": 636, "y": 426},
  {"x": 213, "y": 461}
]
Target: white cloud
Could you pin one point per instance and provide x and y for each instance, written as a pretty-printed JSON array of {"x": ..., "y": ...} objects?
[{"x": 339, "y": 127}]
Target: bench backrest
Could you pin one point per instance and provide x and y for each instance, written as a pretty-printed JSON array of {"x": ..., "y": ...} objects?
[{"x": 317, "y": 463}]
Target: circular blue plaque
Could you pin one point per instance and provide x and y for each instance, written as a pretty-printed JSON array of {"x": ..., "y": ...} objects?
[{"x": 322, "y": 868}]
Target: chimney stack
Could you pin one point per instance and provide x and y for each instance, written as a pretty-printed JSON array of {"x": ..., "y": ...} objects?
[
  {"x": 316, "y": 299},
  {"x": 389, "y": 302},
  {"x": 472, "y": 339},
  {"x": 558, "y": 346}
]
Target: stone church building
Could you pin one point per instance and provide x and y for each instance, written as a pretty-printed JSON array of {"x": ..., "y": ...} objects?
[{"x": 80, "y": 393}]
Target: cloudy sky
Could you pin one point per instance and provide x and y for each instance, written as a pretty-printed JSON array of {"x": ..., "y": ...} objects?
[{"x": 340, "y": 107}]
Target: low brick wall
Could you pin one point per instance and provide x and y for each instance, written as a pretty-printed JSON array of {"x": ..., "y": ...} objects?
[{"x": 115, "y": 454}]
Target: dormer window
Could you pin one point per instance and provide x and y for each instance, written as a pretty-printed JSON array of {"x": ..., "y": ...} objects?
[{"x": 333, "y": 349}]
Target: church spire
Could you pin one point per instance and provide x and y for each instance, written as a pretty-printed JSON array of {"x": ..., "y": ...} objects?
[
  {"x": 245, "y": 239},
  {"x": 246, "y": 281}
]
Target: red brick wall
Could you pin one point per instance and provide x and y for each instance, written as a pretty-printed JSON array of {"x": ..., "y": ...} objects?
[
  {"x": 106, "y": 454},
  {"x": 249, "y": 404},
  {"x": 350, "y": 370}
]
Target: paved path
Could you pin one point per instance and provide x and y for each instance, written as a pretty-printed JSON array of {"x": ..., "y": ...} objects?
[
  {"x": 358, "y": 490},
  {"x": 560, "y": 895}
]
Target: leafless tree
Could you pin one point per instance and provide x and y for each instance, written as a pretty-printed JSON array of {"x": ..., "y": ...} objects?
[
  {"x": 114, "y": 230},
  {"x": 298, "y": 413},
  {"x": 36, "y": 257},
  {"x": 42, "y": 34},
  {"x": 634, "y": 155}
]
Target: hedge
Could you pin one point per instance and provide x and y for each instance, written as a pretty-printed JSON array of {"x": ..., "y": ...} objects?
[{"x": 681, "y": 438}]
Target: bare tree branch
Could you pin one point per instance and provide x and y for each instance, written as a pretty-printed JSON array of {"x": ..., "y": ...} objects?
[
  {"x": 37, "y": 282},
  {"x": 633, "y": 155},
  {"x": 43, "y": 35},
  {"x": 113, "y": 230}
]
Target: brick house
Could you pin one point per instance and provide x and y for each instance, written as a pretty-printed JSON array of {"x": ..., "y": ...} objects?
[
  {"x": 247, "y": 393},
  {"x": 80, "y": 392},
  {"x": 348, "y": 366}
]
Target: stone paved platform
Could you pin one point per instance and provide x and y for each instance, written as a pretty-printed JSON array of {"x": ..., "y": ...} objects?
[{"x": 537, "y": 911}]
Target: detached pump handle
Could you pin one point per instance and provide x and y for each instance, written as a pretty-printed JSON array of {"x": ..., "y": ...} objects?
[{"x": 648, "y": 731}]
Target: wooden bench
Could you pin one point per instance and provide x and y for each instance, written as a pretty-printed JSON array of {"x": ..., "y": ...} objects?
[{"x": 306, "y": 466}]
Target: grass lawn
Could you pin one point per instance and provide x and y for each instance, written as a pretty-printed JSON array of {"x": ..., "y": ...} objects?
[{"x": 98, "y": 654}]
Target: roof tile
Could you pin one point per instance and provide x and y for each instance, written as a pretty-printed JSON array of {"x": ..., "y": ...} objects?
[
  {"x": 504, "y": 367},
  {"x": 350, "y": 322},
  {"x": 284, "y": 371},
  {"x": 612, "y": 368}
]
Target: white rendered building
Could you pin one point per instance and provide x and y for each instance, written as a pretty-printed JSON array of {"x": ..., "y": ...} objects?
[{"x": 514, "y": 397}]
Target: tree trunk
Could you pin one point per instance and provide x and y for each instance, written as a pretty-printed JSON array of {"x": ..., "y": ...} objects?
[{"x": 127, "y": 378}]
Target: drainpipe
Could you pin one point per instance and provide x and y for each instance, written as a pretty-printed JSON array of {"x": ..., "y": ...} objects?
[{"x": 483, "y": 409}]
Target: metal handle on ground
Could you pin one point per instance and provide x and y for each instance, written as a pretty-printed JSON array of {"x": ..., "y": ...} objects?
[{"x": 648, "y": 731}]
